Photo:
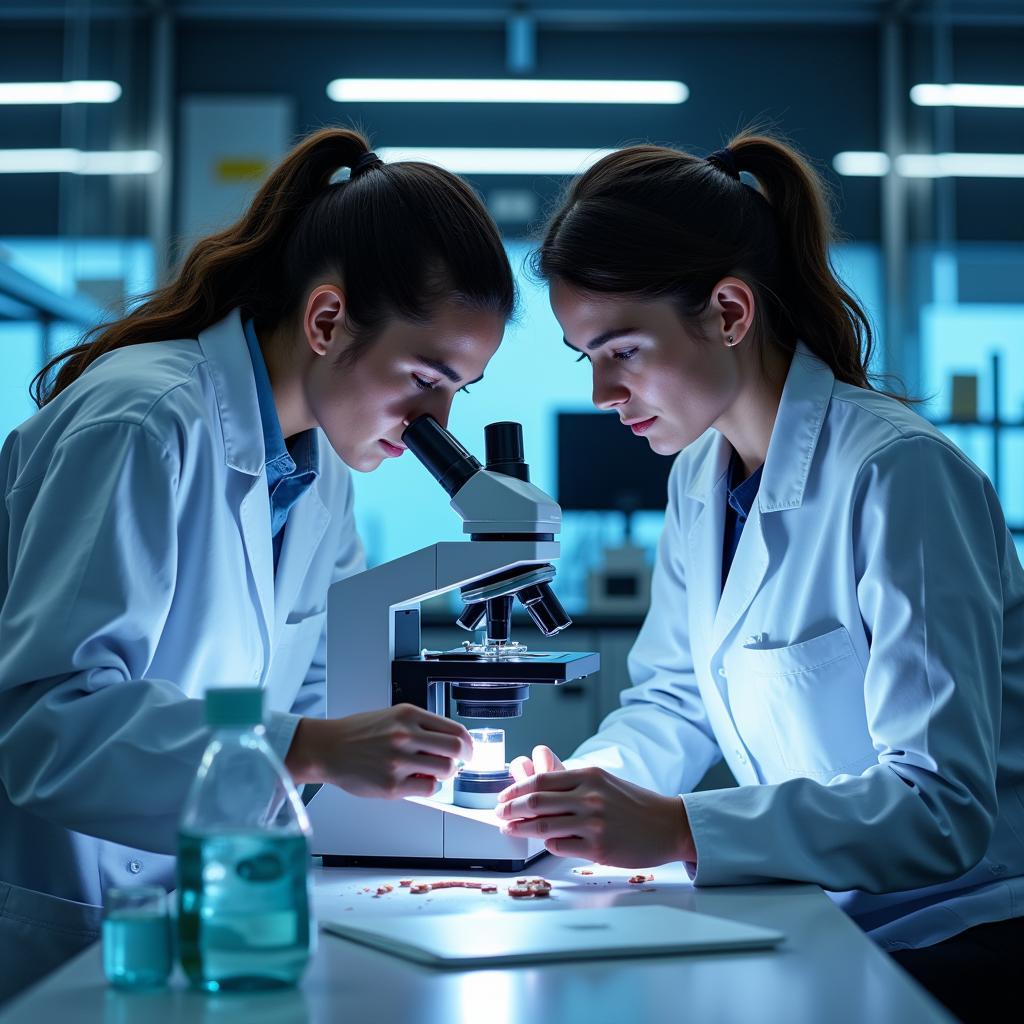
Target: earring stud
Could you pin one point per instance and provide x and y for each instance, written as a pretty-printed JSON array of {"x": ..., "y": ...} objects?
[{"x": 729, "y": 340}]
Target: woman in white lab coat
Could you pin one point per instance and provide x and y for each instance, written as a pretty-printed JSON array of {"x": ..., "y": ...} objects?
[
  {"x": 837, "y": 605},
  {"x": 176, "y": 511}
]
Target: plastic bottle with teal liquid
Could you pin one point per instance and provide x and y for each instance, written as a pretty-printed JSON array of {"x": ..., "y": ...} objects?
[{"x": 244, "y": 919}]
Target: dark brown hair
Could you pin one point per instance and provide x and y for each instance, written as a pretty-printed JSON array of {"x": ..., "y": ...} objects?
[
  {"x": 402, "y": 237},
  {"x": 654, "y": 223}
]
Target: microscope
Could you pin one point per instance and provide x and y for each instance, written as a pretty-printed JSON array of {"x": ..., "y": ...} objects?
[{"x": 375, "y": 657}]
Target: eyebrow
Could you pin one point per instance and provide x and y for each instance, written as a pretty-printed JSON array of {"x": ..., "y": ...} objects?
[
  {"x": 445, "y": 370},
  {"x": 602, "y": 339}
]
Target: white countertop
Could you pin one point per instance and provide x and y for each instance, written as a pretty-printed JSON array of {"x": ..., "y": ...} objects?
[{"x": 826, "y": 970}]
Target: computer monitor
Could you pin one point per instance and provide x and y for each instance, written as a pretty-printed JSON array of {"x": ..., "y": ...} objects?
[{"x": 602, "y": 466}]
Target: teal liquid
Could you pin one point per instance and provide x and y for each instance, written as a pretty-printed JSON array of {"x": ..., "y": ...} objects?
[
  {"x": 136, "y": 949},
  {"x": 243, "y": 920}
]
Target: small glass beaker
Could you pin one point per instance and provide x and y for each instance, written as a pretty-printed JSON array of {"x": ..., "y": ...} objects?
[{"x": 136, "y": 937}]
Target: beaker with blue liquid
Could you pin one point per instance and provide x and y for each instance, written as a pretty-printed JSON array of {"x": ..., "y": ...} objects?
[{"x": 136, "y": 937}]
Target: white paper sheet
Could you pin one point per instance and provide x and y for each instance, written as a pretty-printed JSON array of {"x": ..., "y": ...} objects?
[{"x": 485, "y": 817}]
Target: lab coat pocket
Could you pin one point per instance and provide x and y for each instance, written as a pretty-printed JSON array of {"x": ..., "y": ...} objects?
[
  {"x": 812, "y": 696},
  {"x": 38, "y": 933}
]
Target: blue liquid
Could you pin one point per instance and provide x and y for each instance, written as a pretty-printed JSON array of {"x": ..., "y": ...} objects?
[
  {"x": 136, "y": 949},
  {"x": 243, "y": 921}
]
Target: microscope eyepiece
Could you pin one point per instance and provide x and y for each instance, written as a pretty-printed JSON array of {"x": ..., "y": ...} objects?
[
  {"x": 504, "y": 450},
  {"x": 447, "y": 461}
]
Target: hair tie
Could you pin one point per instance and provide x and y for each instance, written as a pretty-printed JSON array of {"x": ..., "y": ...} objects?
[
  {"x": 365, "y": 162},
  {"x": 725, "y": 161}
]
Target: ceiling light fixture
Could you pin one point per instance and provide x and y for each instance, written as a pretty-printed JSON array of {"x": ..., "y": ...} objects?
[{"x": 504, "y": 90}]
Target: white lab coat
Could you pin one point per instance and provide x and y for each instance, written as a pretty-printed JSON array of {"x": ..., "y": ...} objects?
[
  {"x": 136, "y": 570},
  {"x": 862, "y": 673}
]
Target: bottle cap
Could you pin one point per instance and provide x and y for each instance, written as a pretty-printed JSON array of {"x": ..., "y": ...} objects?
[{"x": 234, "y": 706}]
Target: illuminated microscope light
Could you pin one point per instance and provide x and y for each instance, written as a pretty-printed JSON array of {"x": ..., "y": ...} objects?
[
  {"x": 486, "y": 774},
  {"x": 488, "y": 750}
]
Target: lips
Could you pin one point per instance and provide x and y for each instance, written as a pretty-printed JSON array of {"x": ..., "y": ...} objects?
[
  {"x": 641, "y": 426},
  {"x": 391, "y": 450}
]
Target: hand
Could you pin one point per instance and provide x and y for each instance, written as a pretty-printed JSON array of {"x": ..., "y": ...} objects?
[
  {"x": 398, "y": 751},
  {"x": 544, "y": 760},
  {"x": 588, "y": 813}
]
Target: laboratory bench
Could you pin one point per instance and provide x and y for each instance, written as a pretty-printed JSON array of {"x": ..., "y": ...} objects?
[{"x": 825, "y": 970}]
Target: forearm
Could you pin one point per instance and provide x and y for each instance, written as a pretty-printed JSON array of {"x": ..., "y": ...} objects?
[{"x": 872, "y": 832}]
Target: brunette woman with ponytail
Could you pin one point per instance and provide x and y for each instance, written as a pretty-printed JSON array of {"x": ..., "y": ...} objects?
[
  {"x": 837, "y": 606},
  {"x": 177, "y": 509}
]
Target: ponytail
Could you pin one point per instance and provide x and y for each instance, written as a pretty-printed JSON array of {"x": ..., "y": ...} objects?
[
  {"x": 654, "y": 223},
  {"x": 820, "y": 310},
  {"x": 401, "y": 236}
]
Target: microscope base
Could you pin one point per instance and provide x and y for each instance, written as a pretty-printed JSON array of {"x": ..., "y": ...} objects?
[{"x": 461, "y": 863}]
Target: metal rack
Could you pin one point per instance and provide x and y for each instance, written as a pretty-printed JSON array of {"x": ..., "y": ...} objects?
[{"x": 24, "y": 299}]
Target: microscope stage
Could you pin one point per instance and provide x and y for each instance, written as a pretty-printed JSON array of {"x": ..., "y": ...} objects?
[{"x": 531, "y": 667}]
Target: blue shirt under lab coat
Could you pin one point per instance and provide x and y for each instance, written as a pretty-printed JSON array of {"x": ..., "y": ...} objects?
[
  {"x": 861, "y": 671},
  {"x": 136, "y": 570},
  {"x": 739, "y": 501}
]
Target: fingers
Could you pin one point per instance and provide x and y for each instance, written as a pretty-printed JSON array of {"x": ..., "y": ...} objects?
[
  {"x": 415, "y": 785},
  {"x": 545, "y": 760},
  {"x": 551, "y": 827},
  {"x": 429, "y": 765},
  {"x": 439, "y": 744},
  {"x": 535, "y": 805},
  {"x": 548, "y": 782},
  {"x": 569, "y": 847},
  {"x": 521, "y": 768},
  {"x": 435, "y": 734},
  {"x": 438, "y": 730}
]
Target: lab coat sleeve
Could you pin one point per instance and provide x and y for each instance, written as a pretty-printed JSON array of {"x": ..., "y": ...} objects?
[
  {"x": 660, "y": 738},
  {"x": 86, "y": 740},
  {"x": 931, "y": 550},
  {"x": 311, "y": 700}
]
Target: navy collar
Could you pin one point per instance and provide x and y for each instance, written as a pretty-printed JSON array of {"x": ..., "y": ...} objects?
[{"x": 743, "y": 493}]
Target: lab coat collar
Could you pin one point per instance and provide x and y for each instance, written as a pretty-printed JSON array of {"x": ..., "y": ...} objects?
[
  {"x": 802, "y": 409},
  {"x": 805, "y": 399},
  {"x": 227, "y": 357}
]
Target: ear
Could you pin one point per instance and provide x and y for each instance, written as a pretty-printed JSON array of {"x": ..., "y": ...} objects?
[
  {"x": 732, "y": 303},
  {"x": 324, "y": 319}
]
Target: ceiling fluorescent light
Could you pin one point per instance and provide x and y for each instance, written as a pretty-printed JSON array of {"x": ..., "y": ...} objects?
[
  {"x": 503, "y": 90},
  {"x": 958, "y": 95},
  {"x": 961, "y": 165},
  {"x": 26, "y": 93},
  {"x": 861, "y": 165},
  {"x": 932, "y": 165},
  {"x": 74, "y": 161},
  {"x": 498, "y": 161}
]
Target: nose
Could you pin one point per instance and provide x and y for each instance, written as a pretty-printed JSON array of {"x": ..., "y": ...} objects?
[
  {"x": 608, "y": 393},
  {"x": 437, "y": 404}
]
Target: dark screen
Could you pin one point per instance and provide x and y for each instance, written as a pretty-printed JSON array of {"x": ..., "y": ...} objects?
[{"x": 602, "y": 465}]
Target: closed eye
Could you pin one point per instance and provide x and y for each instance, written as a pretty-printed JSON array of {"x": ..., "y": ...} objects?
[{"x": 430, "y": 385}]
